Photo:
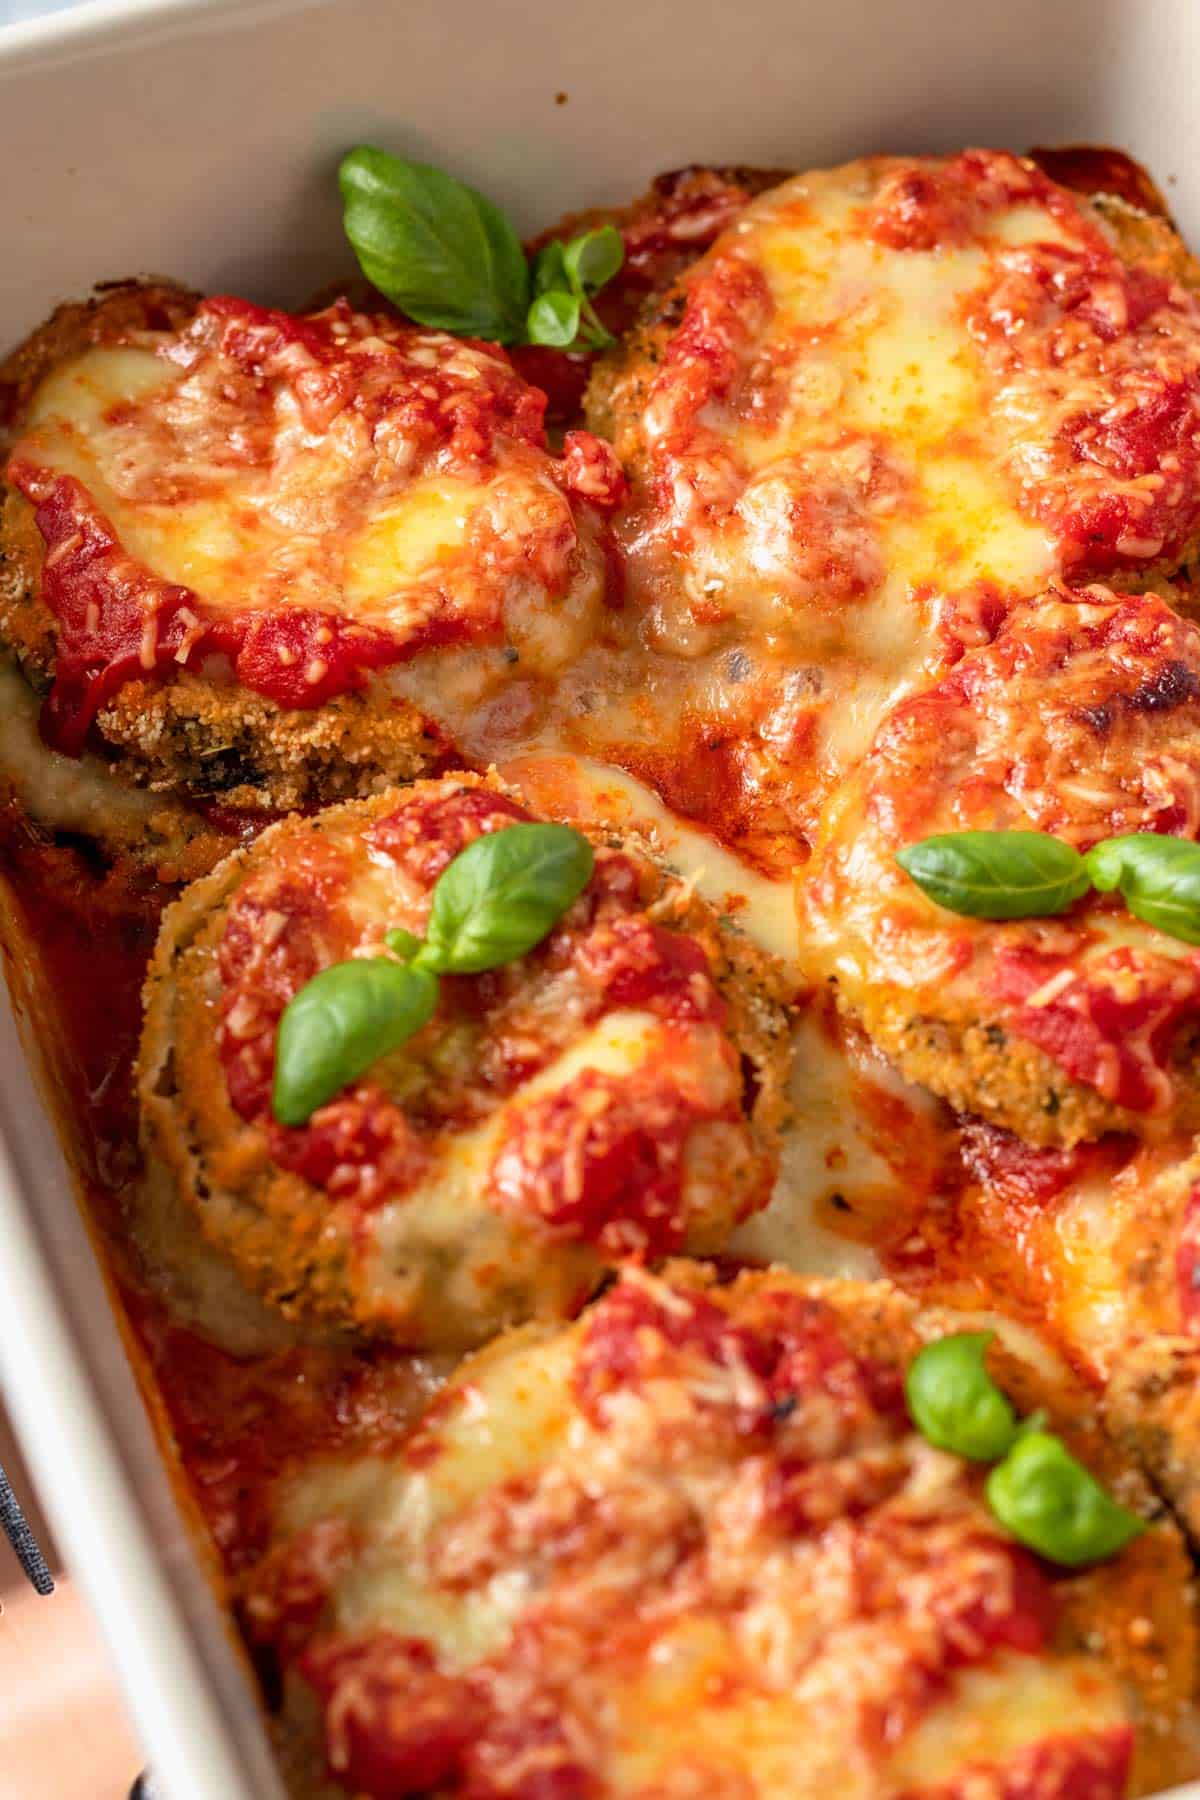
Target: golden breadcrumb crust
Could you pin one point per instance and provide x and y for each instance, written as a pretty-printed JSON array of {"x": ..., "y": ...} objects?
[
  {"x": 981, "y": 1068},
  {"x": 274, "y": 1223}
]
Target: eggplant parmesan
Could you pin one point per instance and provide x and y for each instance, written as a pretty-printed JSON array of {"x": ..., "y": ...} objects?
[
  {"x": 878, "y": 522},
  {"x": 224, "y": 526},
  {"x": 694, "y": 1545},
  {"x": 615, "y": 1093},
  {"x": 888, "y": 400},
  {"x": 1081, "y": 719}
]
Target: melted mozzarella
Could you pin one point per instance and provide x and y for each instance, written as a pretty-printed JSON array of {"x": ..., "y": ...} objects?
[
  {"x": 885, "y": 429},
  {"x": 516, "y": 1418},
  {"x": 828, "y": 1150},
  {"x": 307, "y": 520},
  {"x": 684, "y": 1719},
  {"x": 420, "y": 1233},
  {"x": 577, "y": 787},
  {"x": 887, "y": 329},
  {"x": 993, "y": 1714},
  {"x": 838, "y": 1186}
]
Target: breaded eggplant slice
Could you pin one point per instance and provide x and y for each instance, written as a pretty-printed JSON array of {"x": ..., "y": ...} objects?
[
  {"x": 1081, "y": 719},
  {"x": 892, "y": 398},
  {"x": 239, "y": 547},
  {"x": 614, "y": 1093},
  {"x": 693, "y": 1545}
]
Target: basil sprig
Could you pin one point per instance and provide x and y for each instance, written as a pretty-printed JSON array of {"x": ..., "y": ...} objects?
[
  {"x": 493, "y": 903},
  {"x": 1028, "y": 874},
  {"x": 1037, "y": 1490},
  {"x": 997, "y": 874},
  {"x": 1157, "y": 877},
  {"x": 450, "y": 259}
]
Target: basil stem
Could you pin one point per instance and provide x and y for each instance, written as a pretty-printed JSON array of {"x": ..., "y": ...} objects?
[
  {"x": 997, "y": 874},
  {"x": 401, "y": 943}
]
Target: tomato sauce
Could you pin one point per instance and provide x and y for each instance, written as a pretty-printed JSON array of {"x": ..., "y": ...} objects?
[{"x": 232, "y": 1426}]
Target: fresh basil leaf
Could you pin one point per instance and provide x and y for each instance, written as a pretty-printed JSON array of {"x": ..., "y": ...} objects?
[
  {"x": 502, "y": 894},
  {"x": 340, "y": 1022},
  {"x": 438, "y": 250},
  {"x": 997, "y": 874},
  {"x": 954, "y": 1402},
  {"x": 549, "y": 268},
  {"x": 1050, "y": 1502},
  {"x": 401, "y": 943},
  {"x": 553, "y": 319},
  {"x": 1158, "y": 878},
  {"x": 593, "y": 258}
]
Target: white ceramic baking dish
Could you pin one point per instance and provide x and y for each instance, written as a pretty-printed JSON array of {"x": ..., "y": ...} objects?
[{"x": 198, "y": 138}]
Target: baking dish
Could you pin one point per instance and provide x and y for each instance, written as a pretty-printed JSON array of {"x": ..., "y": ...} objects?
[{"x": 197, "y": 138}]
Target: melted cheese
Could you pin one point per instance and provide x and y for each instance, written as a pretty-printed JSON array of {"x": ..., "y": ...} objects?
[
  {"x": 65, "y": 793},
  {"x": 515, "y": 1420},
  {"x": 904, "y": 370},
  {"x": 580, "y": 788},
  {"x": 737, "y": 1690},
  {"x": 334, "y": 519},
  {"x": 838, "y": 1188},
  {"x": 993, "y": 1714},
  {"x": 879, "y": 422},
  {"x": 831, "y": 1170},
  {"x": 420, "y": 1237}
]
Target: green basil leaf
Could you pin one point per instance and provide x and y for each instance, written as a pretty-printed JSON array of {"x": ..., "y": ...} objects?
[
  {"x": 502, "y": 894},
  {"x": 340, "y": 1022},
  {"x": 553, "y": 319},
  {"x": 1050, "y": 1502},
  {"x": 593, "y": 258},
  {"x": 1158, "y": 878},
  {"x": 549, "y": 268},
  {"x": 954, "y": 1402},
  {"x": 997, "y": 874},
  {"x": 438, "y": 250}
]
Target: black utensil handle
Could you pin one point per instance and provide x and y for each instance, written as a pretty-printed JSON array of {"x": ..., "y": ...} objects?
[{"x": 16, "y": 1530}]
